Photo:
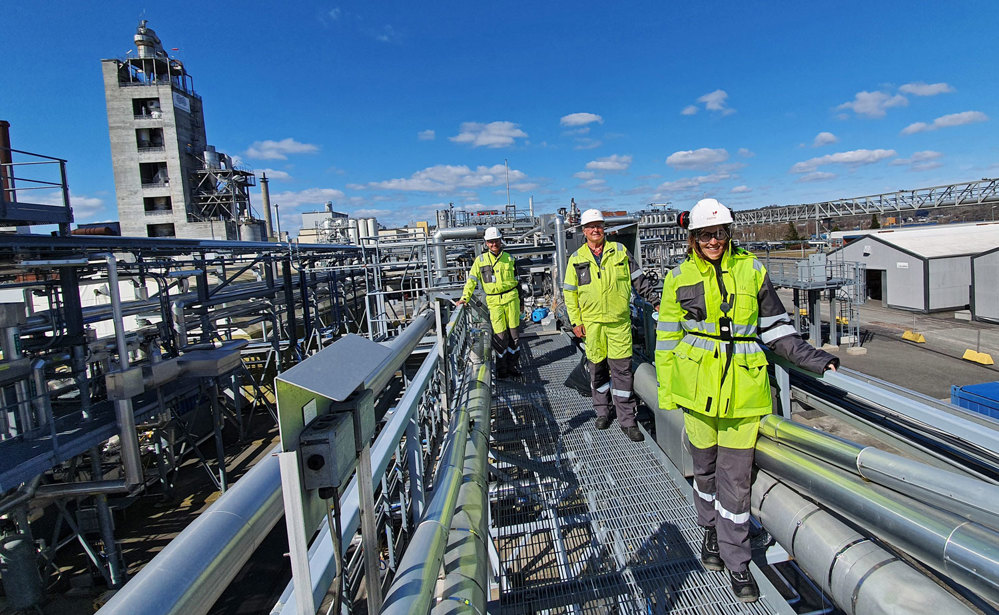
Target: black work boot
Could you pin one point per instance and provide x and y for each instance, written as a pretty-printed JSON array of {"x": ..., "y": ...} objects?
[
  {"x": 602, "y": 422},
  {"x": 710, "y": 554},
  {"x": 744, "y": 586},
  {"x": 634, "y": 433}
]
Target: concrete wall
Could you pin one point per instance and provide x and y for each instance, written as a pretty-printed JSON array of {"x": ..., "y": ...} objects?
[
  {"x": 904, "y": 287},
  {"x": 985, "y": 292},
  {"x": 949, "y": 282}
]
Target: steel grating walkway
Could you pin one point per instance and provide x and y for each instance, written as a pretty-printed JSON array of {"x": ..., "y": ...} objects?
[{"x": 587, "y": 521}]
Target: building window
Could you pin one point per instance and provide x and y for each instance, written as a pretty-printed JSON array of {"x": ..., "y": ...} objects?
[
  {"x": 157, "y": 204},
  {"x": 149, "y": 139},
  {"x": 146, "y": 108},
  {"x": 160, "y": 230},
  {"x": 153, "y": 174}
]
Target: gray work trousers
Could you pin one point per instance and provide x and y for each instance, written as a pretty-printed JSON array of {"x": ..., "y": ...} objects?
[
  {"x": 611, "y": 381},
  {"x": 506, "y": 346},
  {"x": 722, "y": 482}
]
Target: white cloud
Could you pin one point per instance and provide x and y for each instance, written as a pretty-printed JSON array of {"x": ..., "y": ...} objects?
[
  {"x": 854, "y": 158},
  {"x": 426, "y": 135},
  {"x": 291, "y": 200},
  {"x": 702, "y": 158},
  {"x": 493, "y": 134},
  {"x": 947, "y": 121},
  {"x": 918, "y": 88},
  {"x": 920, "y": 161},
  {"x": 587, "y": 144},
  {"x": 450, "y": 178},
  {"x": 596, "y": 185},
  {"x": 85, "y": 208},
  {"x": 689, "y": 110},
  {"x": 689, "y": 183},
  {"x": 279, "y": 150},
  {"x": 874, "y": 104},
  {"x": 746, "y": 153},
  {"x": 610, "y": 163},
  {"x": 824, "y": 138},
  {"x": 715, "y": 101},
  {"x": 584, "y": 175},
  {"x": 816, "y": 176},
  {"x": 334, "y": 13},
  {"x": 580, "y": 119},
  {"x": 273, "y": 174},
  {"x": 741, "y": 190},
  {"x": 385, "y": 34}
]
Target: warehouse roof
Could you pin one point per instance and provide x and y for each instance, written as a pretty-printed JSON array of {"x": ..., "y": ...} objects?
[{"x": 941, "y": 241}]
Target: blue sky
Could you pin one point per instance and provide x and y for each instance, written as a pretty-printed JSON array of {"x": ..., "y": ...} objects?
[{"x": 395, "y": 109}]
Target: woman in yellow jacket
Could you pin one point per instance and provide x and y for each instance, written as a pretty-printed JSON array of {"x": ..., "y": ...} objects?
[{"x": 717, "y": 306}]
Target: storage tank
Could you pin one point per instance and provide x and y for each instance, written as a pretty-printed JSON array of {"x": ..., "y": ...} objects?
[{"x": 352, "y": 232}]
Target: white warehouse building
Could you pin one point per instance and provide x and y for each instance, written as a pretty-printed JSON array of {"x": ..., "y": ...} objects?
[
  {"x": 924, "y": 269},
  {"x": 985, "y": 286}
]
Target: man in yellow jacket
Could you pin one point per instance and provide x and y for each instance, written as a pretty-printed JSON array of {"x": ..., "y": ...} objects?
[
  {"x": 496, "y": 270},
  {"x": 599, "y": 278}
]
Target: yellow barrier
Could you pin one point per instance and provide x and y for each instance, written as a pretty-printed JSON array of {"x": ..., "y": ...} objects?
[
  {"x": 978, "y": 357},
  {"x": 914, "y": 337}
]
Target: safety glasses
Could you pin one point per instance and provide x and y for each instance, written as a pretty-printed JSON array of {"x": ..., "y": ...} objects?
[{"x": 706, "y": 236}]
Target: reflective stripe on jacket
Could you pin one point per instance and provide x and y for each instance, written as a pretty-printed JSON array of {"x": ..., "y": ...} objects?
[
  {"x": 602, "y": 293},
  {"x": 498, "y": 277},
  {"x": 705, "y": 368}
]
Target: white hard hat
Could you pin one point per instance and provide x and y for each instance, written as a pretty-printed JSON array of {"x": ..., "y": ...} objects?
[
  {"x": 591, "y": 215},
  {"x": 492, "y": 233},
  {"x": 709, "y": 212}
]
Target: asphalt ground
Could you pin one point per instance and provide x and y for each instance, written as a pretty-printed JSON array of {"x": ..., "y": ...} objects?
[{"x": 929, "y": 368}]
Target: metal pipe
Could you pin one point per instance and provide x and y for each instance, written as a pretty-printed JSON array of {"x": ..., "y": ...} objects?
[
  {"x": 966, "y": 551},
  {"x": 854, "y": 571},
  {"x": 964, "y": 495},
  {"x": 130, "y": 455},
  {"x": 412, "y": 590},
  {"x": 457, "y": 232},
  {"x": 402, "y": 346},
  {"x": 194, "y": 569},
  {"x": 466, "y": 560},
  {"x": 560, "y": 256}
]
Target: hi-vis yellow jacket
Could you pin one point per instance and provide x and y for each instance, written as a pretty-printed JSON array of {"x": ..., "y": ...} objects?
[
  {"x": 498, "y": 277},
  {"x": 602, "y": 293},
  {"x": 712, "y": 319}
]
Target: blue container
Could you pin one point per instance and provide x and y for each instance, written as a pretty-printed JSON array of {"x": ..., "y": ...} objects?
[
  {"x": 981, "y": 398},
  {"x": 539, "y": 314}
]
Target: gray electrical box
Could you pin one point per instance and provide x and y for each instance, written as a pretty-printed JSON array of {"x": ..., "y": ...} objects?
[{"x": 327, "y": 450}]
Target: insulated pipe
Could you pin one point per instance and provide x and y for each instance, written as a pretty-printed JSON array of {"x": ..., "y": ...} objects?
[
  {"x": 123, "y": 407},
  {"x": 964, "y": 495},
  {"x": 402, "y": 346},
  {"x": 194, "y": 568},
  {"x": 854, "y": 571},
  {"x": 412, "y": 590},
  {"x": 952, "y": 545},
  {"x": 466, "y": 558},
  {"x": 457, "y": 232}
]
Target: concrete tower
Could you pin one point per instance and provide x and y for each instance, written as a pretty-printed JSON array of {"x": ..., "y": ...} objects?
[{"x": 168, "y": 180}]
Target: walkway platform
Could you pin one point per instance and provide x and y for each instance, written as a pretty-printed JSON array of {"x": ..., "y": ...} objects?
[{"x": 588, "y": 521}]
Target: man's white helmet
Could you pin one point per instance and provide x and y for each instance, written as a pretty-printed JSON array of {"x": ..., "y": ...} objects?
[
  {"x": 709, "y": 212},
  {"x": 492, "y": 233},
  {"x": 591, "y": 215}
]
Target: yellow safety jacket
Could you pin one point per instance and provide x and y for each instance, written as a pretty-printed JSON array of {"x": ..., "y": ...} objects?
[
  {"x": 602, "y": 293},
  {"x": 498, "y": 277},
  {"x": 712, "y": 319}
]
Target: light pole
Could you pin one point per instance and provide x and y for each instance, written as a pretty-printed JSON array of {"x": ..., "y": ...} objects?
[{"x": 277, "y": 215}]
